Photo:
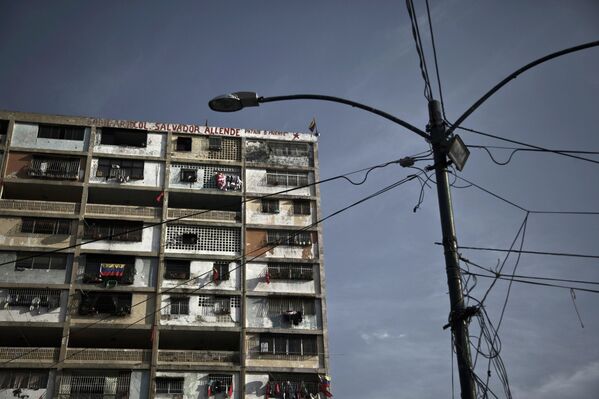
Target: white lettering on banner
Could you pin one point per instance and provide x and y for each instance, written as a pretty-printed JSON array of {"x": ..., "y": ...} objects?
[{"x": 201, "y": 129}]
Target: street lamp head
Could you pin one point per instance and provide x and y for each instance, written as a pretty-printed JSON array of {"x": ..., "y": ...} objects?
[{"x": 234, "y": 101}]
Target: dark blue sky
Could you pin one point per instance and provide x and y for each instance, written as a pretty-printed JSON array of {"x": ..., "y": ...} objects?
[{"x": 162, "y": 61}]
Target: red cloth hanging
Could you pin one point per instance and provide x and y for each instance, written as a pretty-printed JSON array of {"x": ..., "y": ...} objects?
[
  {"x": 215, "y": 274},
  {"x": 277, "y": 389},
  {"x": 267, "y": 391},
  {"x": 160, "y": 196},
  {"x": 209, "y": 390},
  {"x": 230, "y": 390},
  {"x": 267, "y": 277}
]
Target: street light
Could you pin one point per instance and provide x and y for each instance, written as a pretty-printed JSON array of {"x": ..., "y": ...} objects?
[{"x": 442, "y": 145}]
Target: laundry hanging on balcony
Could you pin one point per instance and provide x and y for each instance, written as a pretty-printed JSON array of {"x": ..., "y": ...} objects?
[
  {"x": 293, "y": 316},
  {"x": 228, "y": 182},
  {"x": 216, "y": 387},
  {"x": 112, "y": 269},
  {"x": 325, "y": 386},
  {"x": 267, "y": 277}
]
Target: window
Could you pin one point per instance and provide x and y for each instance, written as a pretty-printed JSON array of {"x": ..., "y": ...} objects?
[
  {"x": 215, "y": 143},
  {"x": 289, "y": 271},
  {"x": 61, "y": 132},
  {"x": 23, "y": 378},
  {"x": 113, "y": 230},
  {"x": 33, "y": 297},
  {"x": 188, "y": 175},
  {"x": 45, "y": 226},
  {"x": 116, "y": 304},
  {"x": 94, "y": 385},
  {"x": 270, "y": 206},
  {"x": 216, "y": 306},
  {"x": 301, "y": 207},
  {"x": 169, "y": 384},
  {"x": 220, "y": 271},
  {"x": 289, "y": 149},
  {"x": 3, "y": 127},
  {"x": 176, "y": 269},
  {"x": 308, "y": 384},
  {"x": 294, "y": 238},
  {"x": 40, "y": 261},
  {"x": 105, "y": 268},
  {"x": 189, "y": 238},
  {"x": 120, "y": 168},
  {"x": 293, "y": 179},
  {"x": 280, "y": 305},
  {"x": 179, "y": 305},
  {"x": 299, "y": 345},
  {"x": 58, "y": 168},
  {"x": 124, "y": 137},
  {"x": 219, "y": 383},
  {"x": 183, "y": 144}
]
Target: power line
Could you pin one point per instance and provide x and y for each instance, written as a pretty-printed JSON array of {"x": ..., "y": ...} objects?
[
  {"x": 428, "y": 92},
  {"x": 266, "y": 247},
  {"x": 516, "y": 280},
  {"x": 430, "y": 25},
  {"x": 572, "y": 255},
  {"x": 566, "y": 154},
  {"x": 514, "y": 150}
]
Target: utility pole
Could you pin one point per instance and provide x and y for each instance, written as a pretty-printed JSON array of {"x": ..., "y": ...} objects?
[{"x": 457, "y": 319}]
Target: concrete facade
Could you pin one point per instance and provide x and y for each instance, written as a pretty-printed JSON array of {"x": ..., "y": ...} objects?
[{"x": 138, "y": 284}]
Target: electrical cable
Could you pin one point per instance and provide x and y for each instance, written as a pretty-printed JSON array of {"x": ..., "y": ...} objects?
[
  {"x": 514, "y": 150},
  {"x": 268, "y": 247},
  {"x": 529, "y": 252},
  {"x": 430, "y": 24},
  {"x": 506, "y": 277},
  {"x": 428, "y": 92}
]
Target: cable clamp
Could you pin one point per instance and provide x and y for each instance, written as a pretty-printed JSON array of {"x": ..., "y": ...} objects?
[{"x": 465, "y": 314}]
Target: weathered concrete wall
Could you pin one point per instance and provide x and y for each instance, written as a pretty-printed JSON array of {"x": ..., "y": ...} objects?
[
  {"x": 145, "y": 272},
  {"x": 25, "y": 135},
  {"x": 255, "y": 275},
  {"x": 200, "y": 275},
  {"x": 8, "y": 273},
  {"x": 150, "y": 241},
  {"x": 23, "y": 313},
  {"x": 258, "y": 317},
  {"x": 197, "y": 315},
  {"x": 139, "y": 385},
  {"x": 255, "y": 385},
  {"x": 285, "y": 217},
  {"x": 259, "y": 152},
  {"x": 153, "y": 176},
  {"x": 199, "y": 149},
  {"x": 195, "y": 384},
  {"x": 155, "y": 147},
  {"x": 10, "y": 234},
  {"x": 256, "y": 183},
  {"x": 256, "y": 246},
  {"x": 142, "y": 307}
]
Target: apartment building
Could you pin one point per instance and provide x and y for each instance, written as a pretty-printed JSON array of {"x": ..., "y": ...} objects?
[{"x": 159, "y": 260}]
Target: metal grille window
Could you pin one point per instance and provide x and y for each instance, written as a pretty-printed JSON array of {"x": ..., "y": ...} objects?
[
  {"x": 179, "y": 305},
  {"x": 301, "y": 207},
  {"x": 24, "y": 379},
  {"x": 93, "y": 385},
  {"x": 120, "y": 168},
  {"x": 219, "y": 383},
  {"x": 289, "y": 149},
  {"x": 284, "y": 237},
  {"x": 183, "y": 144},
  {"x": 292, "y": 179},
  {"x": 46, "y": 226},
  {"x": 169, "y": 384},
  {"x": 61, "y": 132},
  {"x": 220, "y": 270},
  {"x": 289, "y": 271},
  {"x": 215, "y": 143},
  {"x": 277, "y": 306},
  {"x": 188, "y": 175},
  {"x": 40, "y": 261},
  {"x": 176, "y": 269},
  {"x": 117, "y": 304},
  {"x": 33, "y": 297},
  {"x": 217, "y": 305},
  {"x": 299, "y": 345},
  {"x": 270, "y": 206},
  {"x": 124, "y": 137},
  {"x": 206, "y": 173},
  {"x": 229, "y": 150},
  {"x": 113, "y": 230},
  {"x": 297, "y": 382},
  {"x": 207, "y": 239},
  {"x": 56, "y": 168}
]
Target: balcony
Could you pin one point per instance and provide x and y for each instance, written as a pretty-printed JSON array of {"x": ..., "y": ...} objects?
[
  {"x": 39, "y": 206},
  {"x": 123, "y": 210},
  {"x": 197, "y": 357},
  {"x": 26, "y": 354},
  {"x": 110, "y": 356},
  {"x": 201, "y": 214}
]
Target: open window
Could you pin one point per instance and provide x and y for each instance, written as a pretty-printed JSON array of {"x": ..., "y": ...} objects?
[
  {"x": 290, "y": 271},
  {"x": 220, "y": 271},
  {"x": 176, "y": 269},
  {"x": 169, "y": 385},
  {"x": 60, "y": 132},
  {"x": 301, "y": 207},
  {"x": 46, "y": 226},
  {"x": 188, "y": 175},
  {"x": 113, "y": 230},
  {"x": 183, "y": 144},
  {"x": 3, "y": 127},
  {"x": 270, "y": 205},
  {"x": 116, "y": 304},
  {"x": 124, "y": 137},
  {"x": 179, "y": 305},
  {"x": 120, "y": 169},
  {"x": 40, "y": 261},
  {"x": 189, "y": 238},
  {"x": 215, "y": 143}
]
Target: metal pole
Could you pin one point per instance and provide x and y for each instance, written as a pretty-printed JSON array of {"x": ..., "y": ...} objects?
[{"x": 458, "y": 323}]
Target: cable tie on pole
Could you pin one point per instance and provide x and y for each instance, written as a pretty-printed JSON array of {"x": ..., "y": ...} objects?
[{"x": 406, "y": 162}]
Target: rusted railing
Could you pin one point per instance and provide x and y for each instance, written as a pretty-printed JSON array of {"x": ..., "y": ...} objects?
[
  {"x": 185, "y": 356},
  {"x": 123, "y": 210},
  {"x": 200, "y": 214}
]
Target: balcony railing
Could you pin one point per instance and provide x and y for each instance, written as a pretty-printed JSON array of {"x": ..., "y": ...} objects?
[
  {"x": 23, "y": 354},
  {"x": 185, "y": 356},
  {"x": 123, "y": 210},
  {"x": 200, "y": 214},
  {"x": 54, "y": 168},
  {"x": 39, "y": 206},
  {"x": 108, "y": 355}
]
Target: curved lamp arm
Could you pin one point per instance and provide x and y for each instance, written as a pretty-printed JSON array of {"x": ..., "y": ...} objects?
[
  {"x": 514, "y": 75},
  {"x": 236, "y": 101}
]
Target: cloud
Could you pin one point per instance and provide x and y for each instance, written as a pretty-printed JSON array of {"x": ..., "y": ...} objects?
[
  {"x": 380, "y": 335},
  {"x": 581, "y": 383}
]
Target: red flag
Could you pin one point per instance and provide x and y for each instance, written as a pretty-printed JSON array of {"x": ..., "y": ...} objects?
[
  {"x": 230, "y": 390},
  {"x": 214, "y": 274},
  {"x": 209, "y": 390},
  {"x": 160, "y": 196}
]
